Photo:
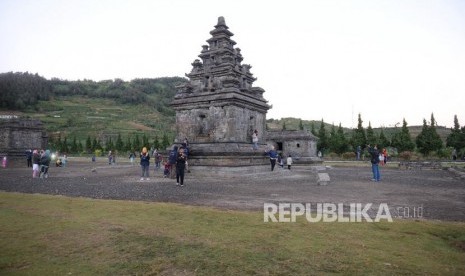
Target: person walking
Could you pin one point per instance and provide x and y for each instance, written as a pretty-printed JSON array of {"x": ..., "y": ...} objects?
[
  {"x": 374, "y": 162},
  {"x": 44, "y": 164},
  {"x": 289, "y": 162},
  {"x": 273, "y": 156},
  {"x": 145, "y": 164},
  {"x": 180, "y": 167}
]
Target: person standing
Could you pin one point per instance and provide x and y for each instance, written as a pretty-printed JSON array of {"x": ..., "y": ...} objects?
[
  {"x": 35, "y": 163},
  {"x": 255, "y": 140},
  {"x": 374, "y": 162},
  {"x": 454, "y": 154},
  {"x": 131, "y": 158},
  {"x": 29, "y": 158},
  {"x": 144, "y": 164},
  {"x": 180, "y": 167},
  {"x": 289, "y": 162}
]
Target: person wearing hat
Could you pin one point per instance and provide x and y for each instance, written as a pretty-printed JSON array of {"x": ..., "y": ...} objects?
[{"x": 145, "y": 164}]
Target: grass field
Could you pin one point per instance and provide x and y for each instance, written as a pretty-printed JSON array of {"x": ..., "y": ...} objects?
[
  {"x": 56, "y": 235},
  {"x": 81, "y": 117}
]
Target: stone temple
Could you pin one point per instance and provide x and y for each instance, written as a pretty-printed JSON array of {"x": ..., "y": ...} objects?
[
  {"x": 219, "y": 108},
  {"x": 20, "y": 134}
]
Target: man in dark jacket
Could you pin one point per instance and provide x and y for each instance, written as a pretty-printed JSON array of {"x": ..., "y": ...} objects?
[
  {"x": 180, "y": 166},
  {"x": 374, "y": 162}
]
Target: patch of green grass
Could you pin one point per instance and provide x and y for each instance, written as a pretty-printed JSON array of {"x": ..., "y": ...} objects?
[
  {"x": 43, "y": 235},
  {"x": 76, "y": 116}
]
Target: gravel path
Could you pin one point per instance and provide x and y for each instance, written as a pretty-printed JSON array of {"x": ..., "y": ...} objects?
[{"x": 437, "y": 194}]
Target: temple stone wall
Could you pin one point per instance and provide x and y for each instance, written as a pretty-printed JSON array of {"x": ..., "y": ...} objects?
[
  {"x": 219, "y": 124},
  {"x": 18, "y": 135}
]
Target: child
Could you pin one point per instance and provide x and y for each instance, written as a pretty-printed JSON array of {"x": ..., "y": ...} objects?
[
  {"x": 289, "y": 162},
  {"x": 166, "y": 171}
]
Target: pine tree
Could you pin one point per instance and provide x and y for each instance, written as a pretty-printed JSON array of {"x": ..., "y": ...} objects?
[
  {"x": 322, "y": 144},
  {"x": 301, "y": 125},
  {"x": 402, "y": 139},
  {"x": 156, "y": 143},
  {"x": 128, "y": 146},
  {"x": 428, "y": 140},
  {"x": 454, "y": 139},
  {"x": 74, "y": 146},
  {"x": 165, "y": 141},
  {"x": 88, "y": 144},
  {"x": 312, "y": 129},
  {"x": 284, "y": 125},
  {"x": 109, "y": 146},
  {"x": 119, "y": 143},
  {"x": 343, "y": 145},
  {"x": 383, "y": 142},
  {"x": 64, "y": 146},
  {"x": 359, "y": 137},
  {"x": 136, "y": 144},
  {"x": 145, "y": 141},
  {"x": 371, "y": 136}
]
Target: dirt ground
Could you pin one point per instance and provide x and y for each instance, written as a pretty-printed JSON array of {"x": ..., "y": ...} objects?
[{"x": 410, "y": 194}]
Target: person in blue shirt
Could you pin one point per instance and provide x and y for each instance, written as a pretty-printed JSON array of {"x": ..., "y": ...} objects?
[{"x": 273, "y": 156}]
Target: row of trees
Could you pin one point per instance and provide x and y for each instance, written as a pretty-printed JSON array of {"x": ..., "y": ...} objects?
[
  {"x": 130, "y": 144},
  {"x": 426, "y": 142}
]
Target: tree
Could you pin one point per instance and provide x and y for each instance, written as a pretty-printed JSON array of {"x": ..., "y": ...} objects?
[
  {"x": 383, "y": 142},
  {"x": 119, "y": 145},
  {"x": 145, "y": 141},
  {"x": 337, "y": 140},
  {"x": 284, "y": 125},
  {"x": 428, "y": 140},
  {"x": 136, "y": 144},
  {"x": 371, "y": 136},
  {"x": 88, "y": 144},
  {"x": 359, "y": 137},
  {"x": 128, "y": 145},
  {"x": 156, "y": 143},
  {"x": 74, "y": 145},
  {"x": 64, "y": 146},
  {"x": 165, "y": 142},
  {"x": 312, "y": 129},
  {"x": 456, "y": 139},
  {"x": 322, "y": 144},
  {"x": 402, "y": 139},
  {"x": 109, "y": 144},
  {"x": 301, "y": 125}
]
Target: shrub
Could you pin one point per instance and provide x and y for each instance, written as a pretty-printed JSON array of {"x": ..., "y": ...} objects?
[
  {"x": 348, "y": 155},
  {"x": 406, "y": 155},
  {"x": 98, "y": 153}
]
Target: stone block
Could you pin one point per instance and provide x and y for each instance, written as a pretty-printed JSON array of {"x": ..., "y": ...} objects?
[{"x": 323, "y": 179}]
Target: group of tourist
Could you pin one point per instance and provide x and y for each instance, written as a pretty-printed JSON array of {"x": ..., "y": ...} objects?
[
  {"x": 39, "y": 160},
  {"x": 175, "y": 165}
]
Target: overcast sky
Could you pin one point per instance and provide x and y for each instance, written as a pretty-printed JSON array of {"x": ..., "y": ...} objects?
[{"x": 387, "y": 60}]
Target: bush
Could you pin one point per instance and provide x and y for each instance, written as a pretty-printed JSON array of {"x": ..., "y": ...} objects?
[
  {"x": 406, "y": 155},
  {"x": 348, "y": 155},
  {"x": 98, "y": 153}
]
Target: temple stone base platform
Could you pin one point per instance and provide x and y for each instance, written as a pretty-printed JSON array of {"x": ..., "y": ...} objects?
[{"x": 226, "y": 154}]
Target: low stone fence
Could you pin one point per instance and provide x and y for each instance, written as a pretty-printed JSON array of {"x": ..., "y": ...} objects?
[{"x": 410, "y": 165}]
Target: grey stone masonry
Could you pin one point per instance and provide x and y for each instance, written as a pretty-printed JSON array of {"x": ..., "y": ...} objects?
[
  {"x": 18, "y": 135},
  {"x": 219, "y": 108}
]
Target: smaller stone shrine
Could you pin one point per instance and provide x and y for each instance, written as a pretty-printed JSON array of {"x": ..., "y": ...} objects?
[
  {"x": 301, "y": 144},
  {"x": 219, "y": 108},
  {"x": 18, "y": 135}
]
